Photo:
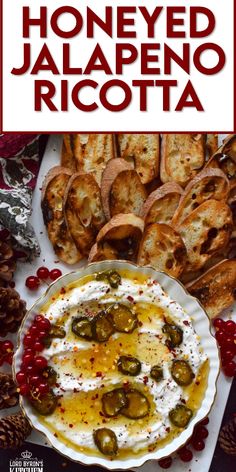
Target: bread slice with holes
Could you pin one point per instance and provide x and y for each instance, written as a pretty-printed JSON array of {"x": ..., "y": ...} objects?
[
  {"x": 143, "y": 151},
  {"x": 83, "y": 210},
  {"x": 216, "y": 289},
  {"x": 123, "y": 233},
  {"x": 92, "y": 152},
  {"x": 208, "y": 184},
  {"x": 67, "y": 155},
  {"x": 182, "y": 157},
  {"x": 161, "y": 204},
  {"x": 127, "y": 193},
  {"x": 162, "y": 248},
  {"x": 101, "y": 252},
  {"x": 53, "y": 191},
  {"x": 205, "y": 232},
  {"x": 113, "y": 168}
]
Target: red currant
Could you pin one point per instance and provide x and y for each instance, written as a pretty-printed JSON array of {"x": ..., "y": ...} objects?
[
  {"x": 43, "y": 388},
  {"x": 27, "y": 359},
  {"x": 32, "y": 282},
  {"x": 7, "y": 346},
  {"x": 28, "y": 350},
  {"x": 21, "y": 377},
  {"x": 43, "y": 273},
  {"x": 230, "y": 327},
  {"x": 219, "y": 323},
  {"x": 228, "y": 342},
  {"x": 35, "y": 380},
  {"x": 201, "y": 432},
  {"x": 185, "y": 454},
  {"x": 205, "y": 421},
  {"x": 9, "y": 358},
  {"x": 220, "y": 336},
  {"x": 230, "y": 369},
  {"x": 198, "y": 444},
  {"x": 33, "y": 330},
  {"x": 227, "y": 355},
  {"x": 24, "y": 389},
  {"x": 165, "y": 463},
  {"x": 38, "y": 318},
  {"x": 40, "y": 362},
  {"x": 28, "y": 340},
  {"x": 44, "y": 324},
  {"x": 30, "y": 370},
  {"x": 38, "y": 346},
  {"x": 55, "y": 273},
  {"x": 41, "y": 334}
]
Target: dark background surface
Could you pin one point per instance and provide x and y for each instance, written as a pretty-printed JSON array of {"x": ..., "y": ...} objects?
[{"x": 54, "y": 462}]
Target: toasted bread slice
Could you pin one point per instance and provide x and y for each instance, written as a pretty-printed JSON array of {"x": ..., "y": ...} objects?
[
  {"x": 83, "y": 210},
  {"x": 205, "y": 232},
  {"x": 183, "y": 156},
  {"x": 216, "y": 289},
  {"x": 53, "y": 190},
  {"x": 143, "y": 150},
  {"x": 123, "y": 234},
  {"x": 162, "y": 247},
  {"x": 113, "y": 167},
  {"x": 208, "y": 184},
  {"x": 92, "y": 152},
  {"x": 127, "y": 193},
  {"x": 212, "y": 144},
  {"x": 225, "y": 158},
  {"x": 161, "y": 204},
  {"x": 67, "y": 154},
  {"x": 101, "y": 252}
]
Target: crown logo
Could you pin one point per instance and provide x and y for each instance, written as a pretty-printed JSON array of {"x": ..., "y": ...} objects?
[{"x": 26, "y": 454}]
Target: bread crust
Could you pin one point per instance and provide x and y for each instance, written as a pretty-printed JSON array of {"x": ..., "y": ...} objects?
[
  {"x": 127, "y": 193},
  {"x": 67, "y": 154},
  {"x": 53, "y": 214},
  {"x": 101, "y": 252},
  {"x": 143, "y": 150},
  {"x": 161, "y": 204},
  {"x": 83, "y": 210},
  {"x": 205, "y": 232},
  {"x": 163, "y": 248},
  {"x": 112, "y": 169},
  {"x": 123, "y": 233},
  {"x": 208, "y": 184},
  {"x": 183, "y": 155},
  {"x": 216, "y": 288}
]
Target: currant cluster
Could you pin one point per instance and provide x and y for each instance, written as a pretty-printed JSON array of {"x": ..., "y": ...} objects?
[
  {"x": 43, "y": 273},
  {"x": 6, "y": 352},
  {"x": 226, "y": 338},
  {"x": 30, "y": 378},
  {"x": 196, "y": 441}
]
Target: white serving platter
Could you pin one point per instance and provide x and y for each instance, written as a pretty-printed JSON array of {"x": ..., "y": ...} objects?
[{"x": 202, "y": 460}]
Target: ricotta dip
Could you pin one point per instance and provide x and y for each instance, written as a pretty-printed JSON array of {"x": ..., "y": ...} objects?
[{"x": 87, "y": 369}]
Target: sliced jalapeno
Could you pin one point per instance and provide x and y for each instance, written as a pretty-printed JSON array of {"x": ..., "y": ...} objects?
[
  {"x": 106, "y": 441},
  {"x": 180, "y": 416},
  {"x": 113, "y": 401},
  {"x": 111, "y": 276},
  {"x": 138, "y": 405},
  {"x": 156, "y": 373},
  {"x": 50, "y": 375},
  {"x": 57, "y": 332},
  {"x": 123, "y": 319},
  {"x": 82, "y": 327},
  {"x": 129, "y": 365},
  {"x": 174, "y": 333},
  {"x": 182, "y": 372},
  {"x": 45, "y": 405},
  {"x": 102, "y": 327}
]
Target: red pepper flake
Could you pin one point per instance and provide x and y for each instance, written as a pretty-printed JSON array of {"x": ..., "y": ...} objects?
[
  {"x": 167, "y": 429},
  {"x": 131, "y": 299},
  {"x": 145, "y": 380},
  {"x": 62, "y": 410},
  {"x": 98, "y": 374},
  {"x": 56, "y": 435},
  {"x": 71, "y": 425},
  {"x": 197, "y": 383},
  {"x": 186, "y": 323},
  {"x": 53, "y": 299},
  {"x": 140, "y": 292},
  {"x": 92, "y": 359},
  {"x": 63, "y": 291}
]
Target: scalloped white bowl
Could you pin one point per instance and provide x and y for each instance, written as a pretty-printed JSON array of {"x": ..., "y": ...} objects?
[{"x": 201, "y": 325}]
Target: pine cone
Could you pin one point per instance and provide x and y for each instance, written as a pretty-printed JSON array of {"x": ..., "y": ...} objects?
[
  {"x": 7, "y": 263},
  {"x": 227, "y": 437},
  {"x": 12, "y": 310},
  {"x": 14, "y": 429},
  {"x": 8, "y": 391}
]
